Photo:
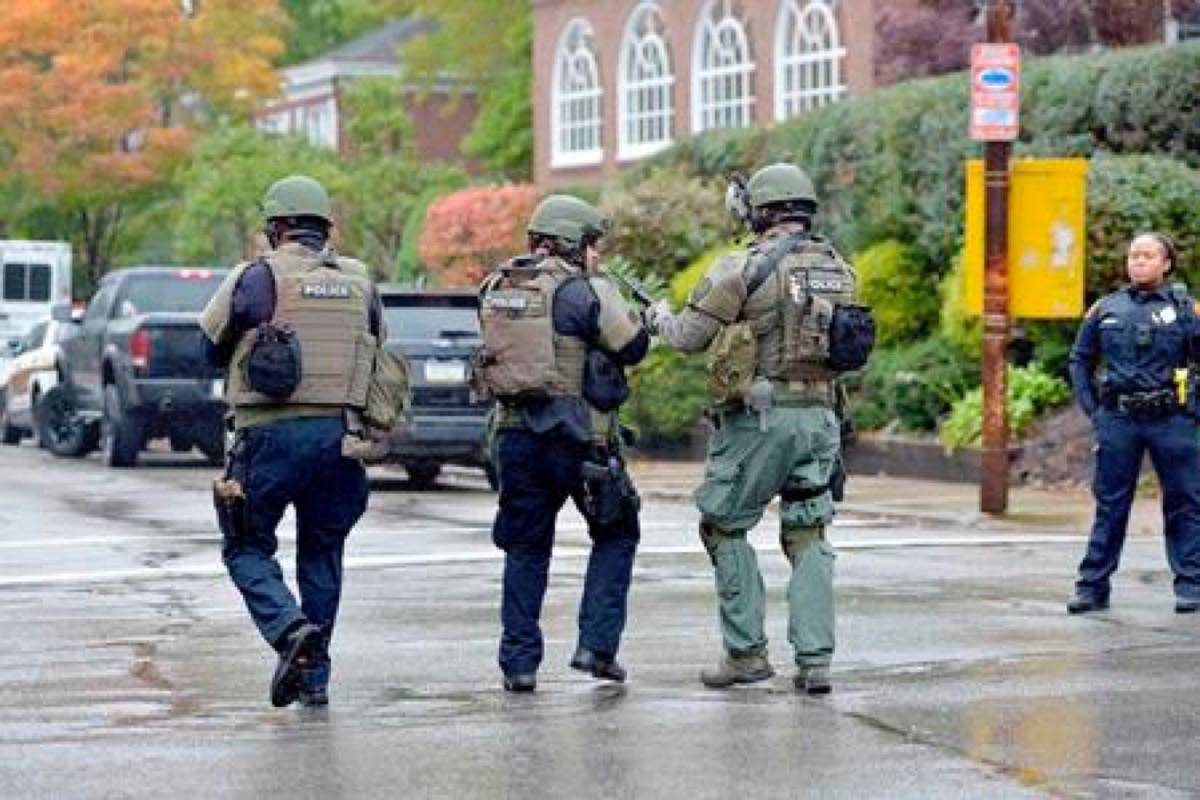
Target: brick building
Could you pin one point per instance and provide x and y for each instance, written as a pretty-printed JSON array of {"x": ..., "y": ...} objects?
[
  {"x": 311, "y": 101},
  {"x": 618, "y": 80}
]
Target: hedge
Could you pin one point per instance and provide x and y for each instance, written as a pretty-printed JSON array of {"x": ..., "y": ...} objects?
[{"x": 890, "y": 166}]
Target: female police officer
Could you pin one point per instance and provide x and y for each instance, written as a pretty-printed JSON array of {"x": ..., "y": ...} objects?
[{"x": 1146, "y": 334}]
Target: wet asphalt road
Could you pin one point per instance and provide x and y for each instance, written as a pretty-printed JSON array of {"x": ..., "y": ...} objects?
[{"x": 129, "y": 668}]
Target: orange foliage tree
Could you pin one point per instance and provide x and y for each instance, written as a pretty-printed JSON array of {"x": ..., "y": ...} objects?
[
  {"x": 470, "y": 231},
  {"x": 97, "y": 97}
]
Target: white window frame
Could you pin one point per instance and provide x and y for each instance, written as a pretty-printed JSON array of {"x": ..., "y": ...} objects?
[
  {"x": 646, "y": 93},
  {"x": 726, "y": 33},
  {"x": 576, "y": 54},
  {"x": 809, "y": 57}
]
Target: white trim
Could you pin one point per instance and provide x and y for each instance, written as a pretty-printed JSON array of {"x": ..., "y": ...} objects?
[
  {"x": 808, "y": 57},
  {"x": 649, "y": 46},
  {"x": 738, "y": 107},
  {"x": 583, "y": 101}
]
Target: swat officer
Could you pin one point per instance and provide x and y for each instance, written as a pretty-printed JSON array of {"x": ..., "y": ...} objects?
[
  {"x": 556, "y": 335},
  {"x": 1146, "y": 335},
  {"x": 779, "y": 323},
  {"x": 298, "y": 329}
]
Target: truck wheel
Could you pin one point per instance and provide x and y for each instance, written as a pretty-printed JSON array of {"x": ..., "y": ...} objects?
[
  {"x": 422, "y": 475},
  {"x": 123, "y": 438},
  {"x": 213, "y": 446},
  {"x": 180, "y": 445},
  {"x": 61, "y": 429},
  {"x": 9, "y": 434}
]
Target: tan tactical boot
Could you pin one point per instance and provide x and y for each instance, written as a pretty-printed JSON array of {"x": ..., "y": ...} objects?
[
  {"x": 737, "y": 669},
  {"x": 813, "y": 680}
]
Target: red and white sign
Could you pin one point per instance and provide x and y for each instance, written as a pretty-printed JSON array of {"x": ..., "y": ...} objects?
[{"x": 995, "y": 92}]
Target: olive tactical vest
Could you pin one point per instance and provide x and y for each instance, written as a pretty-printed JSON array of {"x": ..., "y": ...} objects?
[
  {"x": 324, "y": 301},
  {"x": 522, "y": 356}
]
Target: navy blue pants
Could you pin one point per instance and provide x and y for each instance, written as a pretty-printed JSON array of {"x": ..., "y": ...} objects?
[
  {"x": 538, "y": 472},
  {"x": 295, "y": 462},
  {"x": 1122, "y": 442}
]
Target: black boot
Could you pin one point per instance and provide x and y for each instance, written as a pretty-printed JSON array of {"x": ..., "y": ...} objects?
[
  {"x": 295, "y": 653},
  {"x": 605, "y": 668},
  {"x": 520, "y": 682},
  {"x": 1086, "y": 605}
]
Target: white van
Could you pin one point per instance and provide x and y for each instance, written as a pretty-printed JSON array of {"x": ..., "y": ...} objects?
[{"x": 34, "y": 276}]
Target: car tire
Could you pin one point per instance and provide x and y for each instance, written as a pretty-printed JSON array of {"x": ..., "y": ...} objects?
[
  {"x": 212, "y": 445},
  {"x": 123, "y": 431},
  {"x": 59, "y": 426},
  {"x": 36, "y": 414},
  {"x": 180, "y": 444},
  {"x": 423, "y": 475},
  {"x": 9, "y": 434}
]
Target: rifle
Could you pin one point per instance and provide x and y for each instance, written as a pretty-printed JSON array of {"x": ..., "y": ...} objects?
[{"x": 640, "y": 293}]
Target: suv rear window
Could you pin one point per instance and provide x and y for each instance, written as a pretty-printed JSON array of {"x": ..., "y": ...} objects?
[
  {"x": 430, "y": 316},
  {"x": 186, "y": 290}
]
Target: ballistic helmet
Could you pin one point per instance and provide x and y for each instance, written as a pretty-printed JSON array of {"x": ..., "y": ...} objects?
[
  {"x": 780, "y": 183},
  {"x": 568, "y": 219},
  {"x": 297, "y": 196}
]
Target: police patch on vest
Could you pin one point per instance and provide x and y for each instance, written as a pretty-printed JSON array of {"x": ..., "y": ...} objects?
[{"x": 325, "y": 291}]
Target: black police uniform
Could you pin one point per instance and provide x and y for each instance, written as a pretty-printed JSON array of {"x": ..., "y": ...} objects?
[
  {"x": 295, "y": 461},
  {"x": 541, "y": 463},
  {"x": 1142, "y": 337}
]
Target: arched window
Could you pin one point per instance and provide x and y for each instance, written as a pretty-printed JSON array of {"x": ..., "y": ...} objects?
[
  {"x": 722, "y": 70},
  {"x": 808, "y": 57},
  {"x": 647, "y": 106},
  {"x": 577, "y": 117}
]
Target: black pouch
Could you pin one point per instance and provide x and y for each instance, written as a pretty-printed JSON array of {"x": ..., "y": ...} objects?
[
  {"x": 232, "y": 512},
  {"x": 851, "y": 338},
  {"x": 837, "y": 482},
  {"x": 604, "y": 384},
  {"x": 608, "y": 493},
  {"x": 274, "y": 366}
]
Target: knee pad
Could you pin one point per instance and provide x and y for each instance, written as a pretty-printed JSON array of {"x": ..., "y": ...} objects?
[
  {"x": 795, "y": 539},
  {"x": 711, "y": 536}
]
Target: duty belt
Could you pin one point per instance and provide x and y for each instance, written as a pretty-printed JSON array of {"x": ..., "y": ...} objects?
[{"x": 1156, "y": 403}]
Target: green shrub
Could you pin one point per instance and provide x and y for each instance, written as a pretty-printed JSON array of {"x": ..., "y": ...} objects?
[
  {"x": 1030, "y": 391},
  {"x": 890, "y": 166},
  {"x": 955, "y": 324},
  {"x": 669, "y": 392},
  {"x": 905, "y": 306},
  {"x": 664, "y": 222},
  {"x": 409, "y": 267},
  {"x": 1131, "y": 194},
  {"x": 913, "y": 385}
]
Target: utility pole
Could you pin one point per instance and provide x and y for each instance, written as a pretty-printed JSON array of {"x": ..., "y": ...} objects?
[{"x": 993, "y": 487}]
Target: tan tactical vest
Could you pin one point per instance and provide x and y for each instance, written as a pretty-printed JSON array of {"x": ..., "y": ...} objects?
[
  {"x": 522, "y": 356},
  {"x": 325, "y": 300},
  {"x": 791, "y": 312}
]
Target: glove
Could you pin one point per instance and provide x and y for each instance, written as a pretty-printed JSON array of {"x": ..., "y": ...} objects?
[{"x": 653, "y": 316}]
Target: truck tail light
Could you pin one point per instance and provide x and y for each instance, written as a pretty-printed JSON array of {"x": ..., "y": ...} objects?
[{"x": 139, "y": 348}]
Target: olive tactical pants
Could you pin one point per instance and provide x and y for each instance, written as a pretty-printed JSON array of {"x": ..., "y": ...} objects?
[{"x": 746, "y": 468}]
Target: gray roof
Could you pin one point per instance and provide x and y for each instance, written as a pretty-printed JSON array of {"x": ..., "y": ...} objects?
[{"x": 381, "y": 44}]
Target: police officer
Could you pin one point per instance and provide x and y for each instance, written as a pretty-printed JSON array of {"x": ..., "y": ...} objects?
[
  {"x": 1146, "y": 335},
  {"x": 290, "y": 409},
  {"x": 556, "y": 335},
  {"x": 767, "y": 316}
]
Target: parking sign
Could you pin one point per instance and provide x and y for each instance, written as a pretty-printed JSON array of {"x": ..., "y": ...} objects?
[{"x": 995, "y": 92}]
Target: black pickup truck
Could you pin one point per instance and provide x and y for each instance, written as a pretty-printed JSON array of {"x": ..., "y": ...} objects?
[{"x": 136, "y": 370}]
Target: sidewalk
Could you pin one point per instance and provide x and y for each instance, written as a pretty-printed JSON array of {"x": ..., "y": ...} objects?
[{"x": 1058, "y": 511}]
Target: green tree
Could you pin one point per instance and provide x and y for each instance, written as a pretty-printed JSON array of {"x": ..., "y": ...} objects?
[
  {"x": 382, "y": 183},
  {"x": 488, "y": 46},
  {"x": 321, "y": 25},
  {"x": 223, "y": 184}
]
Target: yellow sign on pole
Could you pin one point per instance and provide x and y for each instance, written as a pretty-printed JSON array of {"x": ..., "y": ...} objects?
[{"x": 1046, "y": 238}]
